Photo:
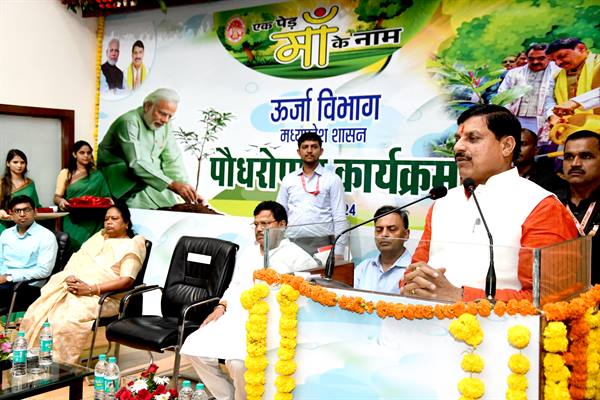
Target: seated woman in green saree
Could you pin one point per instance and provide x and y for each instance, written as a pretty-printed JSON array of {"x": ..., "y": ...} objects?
[
  {"x": 80, "y": 179},
  {"x": 15, "y": 183}
]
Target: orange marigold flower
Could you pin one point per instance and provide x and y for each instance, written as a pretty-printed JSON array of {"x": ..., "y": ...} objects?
[
  {"x": 484, "y": 308},
  {"x": 500, "y": 308},
  {"x": 471, "y": 308}
]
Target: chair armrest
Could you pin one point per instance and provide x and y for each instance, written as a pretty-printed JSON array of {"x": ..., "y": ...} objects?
[
  {"x": 185, "y": 311},
  {"x": 27, "y": 282},
  {"x": 135, "y": 292},
  {"x": 105, "y": 295}
]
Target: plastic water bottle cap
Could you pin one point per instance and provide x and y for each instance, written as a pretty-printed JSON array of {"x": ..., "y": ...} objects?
[
  {"x": 21, "y": 334},
  {"x": 102, "y": 357},
  {"x": 46, "y": 324},
  {"x": 186, "y": 384},
  {"x": 199, "y": 386},
  {"x": 112, "y": 360}
]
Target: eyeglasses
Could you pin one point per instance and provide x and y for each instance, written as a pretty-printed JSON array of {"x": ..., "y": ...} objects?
[
  {"x": 262, "y": 224},
  {"x": 22, "y": 211}
]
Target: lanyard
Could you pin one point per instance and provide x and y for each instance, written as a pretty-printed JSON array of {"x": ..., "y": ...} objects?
[
  {"x": 581, "y": 225},
  {"x": 316, "y": 192}
]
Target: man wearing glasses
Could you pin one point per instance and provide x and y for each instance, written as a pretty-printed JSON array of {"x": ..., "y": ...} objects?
[
  {"x": 27, "y": 250},
  {"x": 222, "y": 334}
]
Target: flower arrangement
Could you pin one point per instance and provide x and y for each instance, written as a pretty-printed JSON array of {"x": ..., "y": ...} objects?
[
  {"x": 466, "y": 328},
  {"x": 5, "y": 347},
  {"x": 288, "y": 330},
  {"x": 256, "y": 339},
  {"x": 147, "y": 387},
  {"x": 396, "y": 310},
  {"x": 593, "y": 354},
  {"x": 518, "y": 363}
]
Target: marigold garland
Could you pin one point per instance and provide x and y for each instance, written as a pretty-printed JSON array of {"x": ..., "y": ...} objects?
[
  {"x": 398, "y": 311},
  {"x": 593, "y": 355},
  {"x": 288, "y": 330},
  {"x": 99, "y": 39},
  {"x": 518, "y": 337},
  {"x": 256, "y": 339},
  {"x": 555, "y": 371},
  {"x": 582, "y": 342},
  {"x": 466, "y": 328}
]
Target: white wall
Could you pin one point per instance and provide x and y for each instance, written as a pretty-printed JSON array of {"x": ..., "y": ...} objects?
[{"x": 47, "y": 59}]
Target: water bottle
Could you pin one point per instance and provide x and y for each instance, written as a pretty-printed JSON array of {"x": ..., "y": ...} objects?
[
  {"x": 200, "y": 394},
  {"x": 20, "y": 355},
  {"x": 99, "y": 377},
  {"x": 111, "y": 379},
  {"x": 186, "y": 392},
  {"x": 46, "y": 345}
]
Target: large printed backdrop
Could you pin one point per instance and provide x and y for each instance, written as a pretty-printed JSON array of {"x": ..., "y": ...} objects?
[{"x": 364, "y": 74}]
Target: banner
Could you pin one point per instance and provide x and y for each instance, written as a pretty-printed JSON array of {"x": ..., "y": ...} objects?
[{"x": 381, "y": 82}]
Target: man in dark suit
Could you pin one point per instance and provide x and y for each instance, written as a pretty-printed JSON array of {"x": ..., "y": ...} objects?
[{"x": 112, "y": 73}]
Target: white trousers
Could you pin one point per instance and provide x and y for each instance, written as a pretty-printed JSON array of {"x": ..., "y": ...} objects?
[{"x": 221, "y": 385}]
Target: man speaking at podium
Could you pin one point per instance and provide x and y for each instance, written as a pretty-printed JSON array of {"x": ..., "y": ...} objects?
[{"x": 452, "y": 259}]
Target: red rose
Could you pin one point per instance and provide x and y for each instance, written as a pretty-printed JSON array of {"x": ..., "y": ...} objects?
[
  {"x": 160, "y": 389},
  {"x": 145, "y": 374},
  {"x": 152, "y": 368},
  {"x": 126, "y": 396},
  {"x": 173, "y": 393},
  {"x": 144, "y": 395}
]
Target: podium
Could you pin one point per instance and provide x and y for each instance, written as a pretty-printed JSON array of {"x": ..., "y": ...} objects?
[{"x": 342, "y": 354}]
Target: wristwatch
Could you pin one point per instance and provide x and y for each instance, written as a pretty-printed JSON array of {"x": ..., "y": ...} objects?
[{"x": 8, "y": 277}]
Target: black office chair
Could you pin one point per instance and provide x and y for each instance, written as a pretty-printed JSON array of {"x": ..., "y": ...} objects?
[
  {"x": 135, "y": 308},
  {"x": 23, "y": 293},
  {"x": 199, "y": 273}
]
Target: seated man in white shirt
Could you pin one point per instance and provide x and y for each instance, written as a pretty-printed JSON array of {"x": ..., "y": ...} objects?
[
  {"x": 384, "y": 272},
  {"x": 222, "y": 334}
]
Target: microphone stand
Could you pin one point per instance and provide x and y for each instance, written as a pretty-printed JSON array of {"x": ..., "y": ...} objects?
[{"x": 490, "y": 279}]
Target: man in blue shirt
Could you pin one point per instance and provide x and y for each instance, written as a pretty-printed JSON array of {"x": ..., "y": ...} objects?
[
  {"x": 384, "y": 272},
  {"x": 313, "y": 197},
  {"x": 27, "y": 250}
]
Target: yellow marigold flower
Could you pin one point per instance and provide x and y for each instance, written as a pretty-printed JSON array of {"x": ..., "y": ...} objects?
[
  {"x": 555, "y": 337},
  {"x": 518, "y": 336},
  {"x": 255, "y": 349},
  {"x": 255, "y": 327},
  {"x": 289, "y": 309},
  {"x": 257, "y": 335},
  {"x": 288, "y": 293},
  {"x": 592, "y": 319},
  {"x": 255, "y": 390},
  {"x": 284, "y": 396},
  {"x": 285, "y": 367},
  {"x": 554, "y": 391},
  {"x": 261, "y": 290},
  {"x": 288, "y": 333},
  {"x": 466, "y": 328},
  {"x": 254, "y": 378},
  {"x": 466, "y": 398},
  {"x": 285, "y": 384},
  {"x": 471, "y": 387},
  {"x": 246, "y": 299},
  {"x": 256, "y": 363},
  {"x": 517, "y": 382},
  {"x": 286, "y": 354},
  {"x": 515, "y": 395},
  {"x": 260, "y": 308},
  {"x": 518, "y": 363},
  {"x": 472, "y": 363},
  {"x": 258, "y": 319},
  {"x": 288, "y": 323},
  {"x": 288, "y": 343}
]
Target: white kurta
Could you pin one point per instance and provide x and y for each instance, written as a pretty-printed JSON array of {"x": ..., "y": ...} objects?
[{"x": 226, "y": 337}]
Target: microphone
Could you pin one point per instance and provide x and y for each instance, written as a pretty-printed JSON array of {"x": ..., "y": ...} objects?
[
  {"x": 490, "y": 280},
  {"x": 326, "y": 280}
]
